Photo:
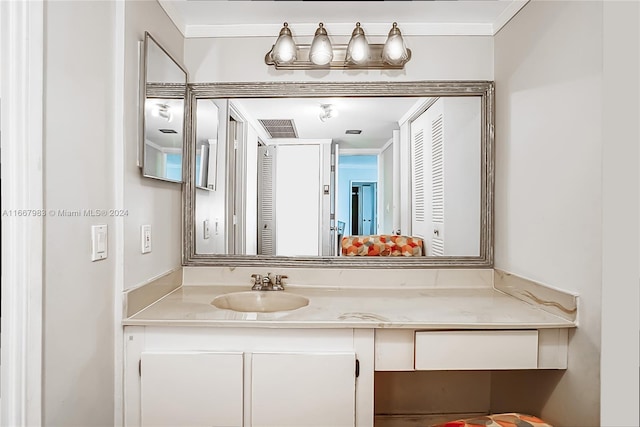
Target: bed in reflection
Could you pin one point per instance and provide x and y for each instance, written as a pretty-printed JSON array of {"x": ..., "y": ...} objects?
[{"x": 382, "y": 245}]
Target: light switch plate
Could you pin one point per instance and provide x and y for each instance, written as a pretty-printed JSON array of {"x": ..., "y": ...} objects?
[
  {"x": 99, "y": 244},
  {"x": 145, "y": 238}
]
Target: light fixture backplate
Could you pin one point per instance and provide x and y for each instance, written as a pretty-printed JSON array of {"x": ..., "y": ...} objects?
[{"x": 339, "y": 60}]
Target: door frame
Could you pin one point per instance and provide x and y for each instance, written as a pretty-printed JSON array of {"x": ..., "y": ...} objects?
[
  {"x": 237, "y": 161},
  {"x": 22, "y": 92},
  {"x": 359, "y": 183}
]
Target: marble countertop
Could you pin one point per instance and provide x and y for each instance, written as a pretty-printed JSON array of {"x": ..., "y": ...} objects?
[{"x": 421, "y": 308}]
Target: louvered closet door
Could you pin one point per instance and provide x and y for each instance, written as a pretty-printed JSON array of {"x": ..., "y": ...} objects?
[
  {"x": 437, "y": 179},
  {"x": 266, "y": 200},
  {"x": 418, "y": 196},
  {"x": 421, "y": 183},
  {"x": 427, "y": 191}
]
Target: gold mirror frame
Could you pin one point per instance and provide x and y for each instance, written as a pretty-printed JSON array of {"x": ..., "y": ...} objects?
[{"x": 484, "y": 89}]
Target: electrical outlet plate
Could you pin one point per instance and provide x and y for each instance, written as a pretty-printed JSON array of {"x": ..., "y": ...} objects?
[{"x": 205, "y": 229}]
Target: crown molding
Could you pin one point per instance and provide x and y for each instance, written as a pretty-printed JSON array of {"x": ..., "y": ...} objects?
[
  {"x": 507, "y": 14},
  {"x": 174, "y": 15},
  {"x": 339, "y": 29}
]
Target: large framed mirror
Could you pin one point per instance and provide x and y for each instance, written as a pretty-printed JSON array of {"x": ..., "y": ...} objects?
[
  {"x": 163, "y": 94},
  {"x": 368, "y": 174}
]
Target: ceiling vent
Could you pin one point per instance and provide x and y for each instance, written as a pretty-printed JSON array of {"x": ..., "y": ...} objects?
[
  {"x": 279, "y": 128},
  {"x": 353, "y": 131},
  {"x": 167, "y": 131}
]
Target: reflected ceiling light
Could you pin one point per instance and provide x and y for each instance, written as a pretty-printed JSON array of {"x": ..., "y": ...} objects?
[
  {"x": 358, "y": 47},
  {"x": 321, "y": 54},
  {"x": 162, "y": 111},
  {"x": 284, "y": 51},
  {"x": 394, "y": 51},
  {"x": 327, "y": 111}
]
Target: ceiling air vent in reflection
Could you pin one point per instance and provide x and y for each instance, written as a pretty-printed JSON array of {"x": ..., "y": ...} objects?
[
  {"x": 353, "y": 131},
  {"x": 279, "y": 128},
  {"x": 167, "y": 131}
]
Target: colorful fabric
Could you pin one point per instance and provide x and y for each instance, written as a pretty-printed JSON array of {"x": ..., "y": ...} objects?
[
  {"x": 498, "y": 420},
  {"x": 382, "y": 245}
]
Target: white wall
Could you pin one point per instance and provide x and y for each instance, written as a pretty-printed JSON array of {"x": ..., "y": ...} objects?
[
  {"x": 433, "y": 58},
  {"x": 549, "y": 188},
  {"x": 619, "y": 386},
  {"x": 462, "y": 177},
  {"x": 78, "y": 361},
  {"x": 148, "y": 201},
  {"x": 83, "y": 160}
]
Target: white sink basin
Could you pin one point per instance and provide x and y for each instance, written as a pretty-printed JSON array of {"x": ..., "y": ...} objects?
[{"x": 260, "y": 301}]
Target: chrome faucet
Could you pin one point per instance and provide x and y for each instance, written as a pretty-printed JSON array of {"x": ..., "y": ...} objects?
[{"x": 267, "y": 283}]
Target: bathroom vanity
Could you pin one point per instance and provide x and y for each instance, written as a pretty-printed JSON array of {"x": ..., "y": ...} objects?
[
  {"x": 190, "y": 360},
  {"x": 191, "y": 363}
]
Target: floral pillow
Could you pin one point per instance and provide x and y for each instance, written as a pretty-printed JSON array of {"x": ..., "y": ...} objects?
[{"x": 498, "y": 420}]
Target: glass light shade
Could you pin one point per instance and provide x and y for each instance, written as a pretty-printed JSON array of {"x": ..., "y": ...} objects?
[
  {"x": 358, "y": 47},
  {"x": 321, "y": 52},
  {"x": 394, "y": 51},
  {"x": 284, "y": 51}
]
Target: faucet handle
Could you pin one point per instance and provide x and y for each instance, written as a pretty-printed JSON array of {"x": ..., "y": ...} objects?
[
  {"x": 257, "y": 281},
  {"x": 278, "y": 281}
]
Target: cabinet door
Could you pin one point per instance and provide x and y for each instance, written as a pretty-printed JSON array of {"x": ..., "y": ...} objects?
[
  {"x": 191, "y": 389},
  {"x": 303, "y": 389}
]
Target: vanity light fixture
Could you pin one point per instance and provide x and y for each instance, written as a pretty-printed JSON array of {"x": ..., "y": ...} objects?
[{"x": 285, "y": 54}]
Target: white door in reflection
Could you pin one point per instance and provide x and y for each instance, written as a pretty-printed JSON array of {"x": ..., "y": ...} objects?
[{"x": 298, "y": 200}]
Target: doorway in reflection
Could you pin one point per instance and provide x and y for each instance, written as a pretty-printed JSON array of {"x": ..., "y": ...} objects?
[
  {"x": 363, "y": 208},
  {"x": 358, "y": 195},
  {"x": 291, "y": 204}
]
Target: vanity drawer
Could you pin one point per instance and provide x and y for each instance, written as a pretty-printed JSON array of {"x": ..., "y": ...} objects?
[{"x": 470, "y": 350}]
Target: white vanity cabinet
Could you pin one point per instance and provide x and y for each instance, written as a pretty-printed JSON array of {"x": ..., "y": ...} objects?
[
  {"x": 248, "y": 377},
  {"x": 305, "y": 377},
  {"x": 303, "y": 389},
  {"x": 464, "y": 349},
  {"x": 191, "y": 388}
]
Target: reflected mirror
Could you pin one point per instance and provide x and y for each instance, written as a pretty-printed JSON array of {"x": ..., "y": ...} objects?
[
  {"x": 311, "y": 176},
  {"x": 206, "y": 145},
  {"x": 164, "y": 91}
]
